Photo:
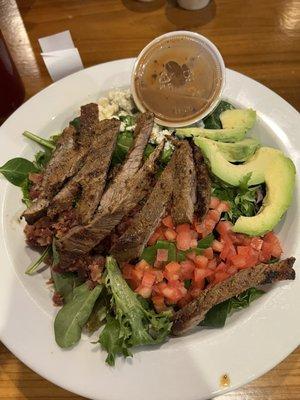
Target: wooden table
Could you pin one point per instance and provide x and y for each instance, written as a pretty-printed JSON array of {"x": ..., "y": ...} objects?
[{"x": 260, "y": 38}]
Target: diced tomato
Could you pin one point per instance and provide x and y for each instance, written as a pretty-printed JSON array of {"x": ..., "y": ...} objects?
[
  {"x": 127, "y": 271},
  {"x": 148, "y": 279},
  {"x": 159, "y": 303},
  {"x": 162, "y": 255},
  {"x": 232, "y": 270},
  {"x": 239, "y": 261},
  {"x": 220, "y": 277},
  {"x": 142, "y": 266},
  {"x": 201, "y": 261},
  {"x": 187, "y": 269},
  {"x": 266, "y": 252},
  {"x": 214, "y": 202},
  {"x": 199, "y": 228},
  {"x": 217, "y": 246},
  {"x": 209, "y": 224},
  {"x": 144, "y": 291},
  {"x": 191, "y": 255},
  {"x": 208, "y": 253},
  {"x": 170, "y": 234},
  {"x": 200, "y": 274},
  {"x": 168, "y": 222},
  {"x": 172, "y": 271},
  {"x": 223, "y": 207},
  {"x": 224, "y": 227},
  {"x": 256, "y": 243},
  {"x": 212, "y": 264},
  {"x": 183, "y": 228},
  {"x": 159, "y": 276},
  {"x": 183, "y": 240},
  {"x": 213, "y": 215},
  {"x": 136, "y": 275},
  {"x": 157, "y": 235},
  {"x": 221, "y": 267},
  {"x": 274, "y": 241},
  {"x": 228, "y": 249},
  {"x": 194, "y": 243},
  {"x": 172, "y": 293}
]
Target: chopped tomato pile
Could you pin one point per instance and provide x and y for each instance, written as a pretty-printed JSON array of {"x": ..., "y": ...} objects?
[{"x": 179, "y": 281}]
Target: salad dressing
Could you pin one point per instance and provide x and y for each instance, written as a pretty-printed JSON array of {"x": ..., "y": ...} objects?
[{"x": 178, "y": 78}]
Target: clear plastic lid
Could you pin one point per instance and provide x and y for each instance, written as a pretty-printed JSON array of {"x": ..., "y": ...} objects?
[{"x": 179, "y": 77}]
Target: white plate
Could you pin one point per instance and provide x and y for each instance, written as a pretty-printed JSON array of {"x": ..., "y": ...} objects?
[{"x": 253, "y": 341}]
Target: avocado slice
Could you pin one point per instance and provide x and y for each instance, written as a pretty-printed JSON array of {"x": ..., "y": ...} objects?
[
  {"x": 280, "y": 182},
  {"x": 231, "y": 173},
  {"x": 235, "y": 125},
  {"x": 239, "y": 151},
  {"x": 266, "y": 165}
]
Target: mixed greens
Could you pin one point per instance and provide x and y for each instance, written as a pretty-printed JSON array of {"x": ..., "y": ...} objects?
[{"x": 124, "y": 318}]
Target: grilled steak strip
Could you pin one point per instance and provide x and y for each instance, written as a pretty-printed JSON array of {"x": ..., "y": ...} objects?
[
  {"x": 82, "y": 239},
  {"x": 90, "y": 181},
  {"x": 203, "y": 183},
  {"x": 184, "y": 190},
  {"x": 67, "y": 158},
  {"x": 193, "y": 313},
  {"x": 131, "y": 244}
]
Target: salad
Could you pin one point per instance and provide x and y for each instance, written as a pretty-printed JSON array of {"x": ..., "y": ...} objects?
[{"x": 148, "y": 231}]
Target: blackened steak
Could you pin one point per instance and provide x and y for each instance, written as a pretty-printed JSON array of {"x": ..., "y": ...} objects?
[
  {"x": 88, "y": 184},
  {"x": 82, "y": 239},
  {"x": 193, "y": 313},
  {"x": 184, "y": 190},
  {"x": 131, "y": 244},
  {"x": 68, "y": 156},
  {"x": 203, "y": 183}
]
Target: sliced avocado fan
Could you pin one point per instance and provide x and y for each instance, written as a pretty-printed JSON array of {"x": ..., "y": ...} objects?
[
  {"x": 266, "y": 165},
  {"x": 235, "y": 123}
]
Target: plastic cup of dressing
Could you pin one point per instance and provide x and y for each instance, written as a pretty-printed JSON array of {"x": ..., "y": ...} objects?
[{"x": 179, "y": 77}]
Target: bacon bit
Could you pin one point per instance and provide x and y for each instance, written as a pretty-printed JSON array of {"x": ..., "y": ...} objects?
[
  {"x": 162, "y": 255},
  {"x": 35, "y": 177},
  {"x": 57, "y": 299}
]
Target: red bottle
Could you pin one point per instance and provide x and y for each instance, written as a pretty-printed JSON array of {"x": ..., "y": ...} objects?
[{"x": 11, "y": 87}]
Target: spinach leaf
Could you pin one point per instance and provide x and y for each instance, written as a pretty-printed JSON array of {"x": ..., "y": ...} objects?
[
  {"x": 73, "y": 316},
  {"x": 42, "y": 158},
  {"x": 134, "y": 324},
  {"x": 187, "y": 283},
  {"x": 128, "y": 120},
  {"x": 99, "y": 313},
  {"x": 35, "y": 266},
  {"x": 124, "y": 142},
  {"x": 17, "y": 169},
  {"x": 43, "y": 142},
  {"x": 166, "y": 155},
  {"x": 148, "y": 150},
  {"x": 206, "y": 242},
  {"x": 212, "y": 121},
  {"x": 65, "y": 283},
  {"x": 55, "y": 254},
  {"x": 216, "y": 316},
  {"x": 25, "y": 187}
]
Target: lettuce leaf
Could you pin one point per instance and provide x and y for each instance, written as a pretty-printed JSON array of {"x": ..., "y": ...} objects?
[
  {"x": 131, "y": 323},
  {"x": 216, "y": 316}
]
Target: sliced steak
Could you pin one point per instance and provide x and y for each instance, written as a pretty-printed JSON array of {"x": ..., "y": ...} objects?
[
  {"x": 89, "y": 183},
  {"x": 193, "y": 313},
  {"x": 131, "y": 244},
  {"x": 184, "y": 190},
  {"x": 203, "y": 183},
  {"x": 68, "y": 156},
  {"x": 82, "y": 239}
]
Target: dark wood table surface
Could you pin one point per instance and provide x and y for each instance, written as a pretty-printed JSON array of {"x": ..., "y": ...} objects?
[{"x": 259, "y": 38}]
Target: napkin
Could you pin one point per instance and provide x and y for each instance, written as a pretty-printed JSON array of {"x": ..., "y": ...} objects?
[{"x": 60, "y": 55}]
